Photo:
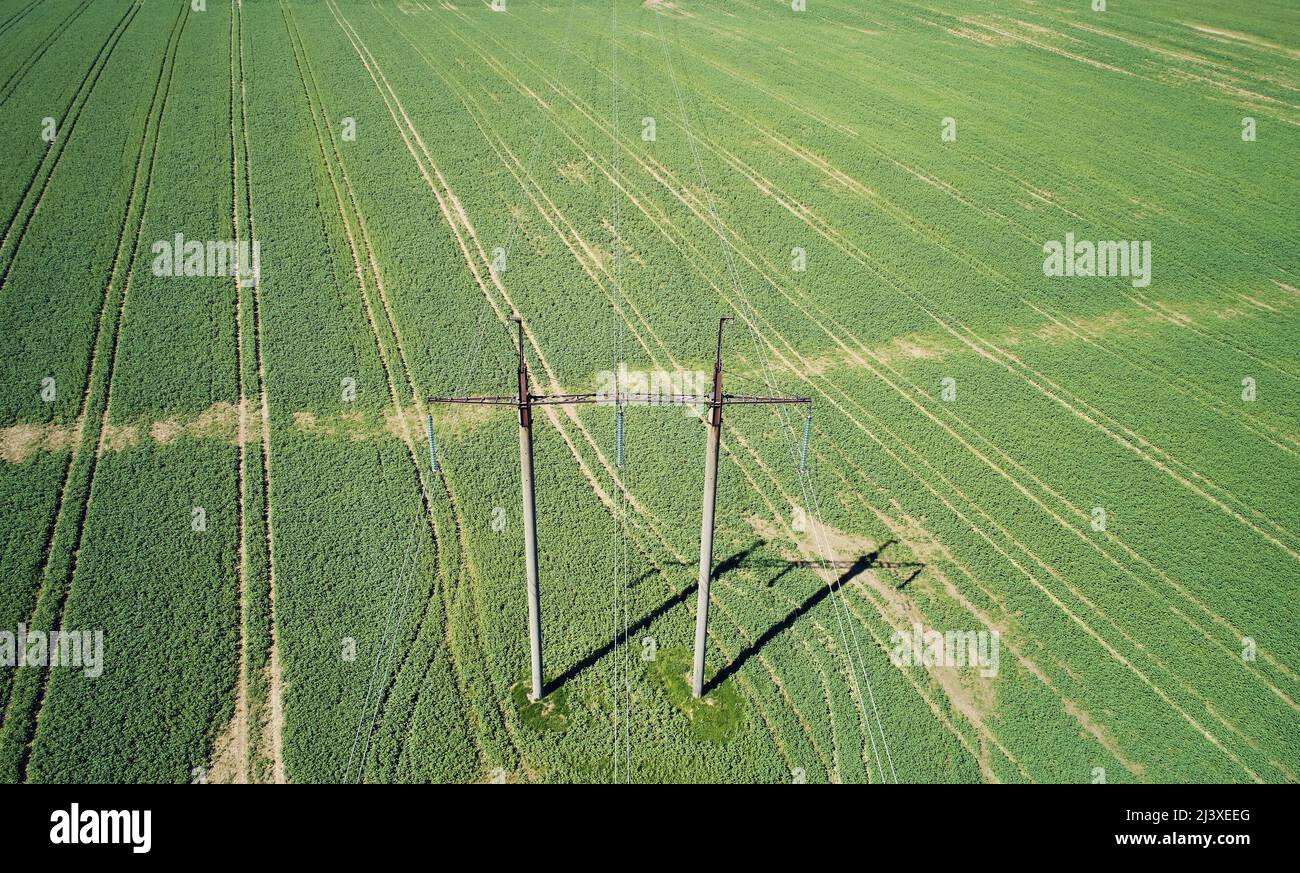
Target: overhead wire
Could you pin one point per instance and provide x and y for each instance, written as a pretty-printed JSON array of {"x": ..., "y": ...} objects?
[
  {"x": 621, "y": 606},
  {"x": 749, "y": 317},
  {"x": 398, "y": 585},
  {"x": 388, "y": 662},
  {"x": 476, "y": 350}
]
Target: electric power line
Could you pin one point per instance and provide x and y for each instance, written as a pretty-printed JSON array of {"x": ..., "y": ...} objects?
[{"x": 805, "y": 477}]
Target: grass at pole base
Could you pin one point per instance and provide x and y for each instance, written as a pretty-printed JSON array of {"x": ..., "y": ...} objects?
[
  {"x": 717, "y": 716},
  {"x": 551, "y": 713}
]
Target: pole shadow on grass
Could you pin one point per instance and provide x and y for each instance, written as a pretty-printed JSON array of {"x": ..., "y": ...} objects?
[
  {"x": 739, "y": 560},
  {"x": 642, "y": 623},
  {"x": 851, "y": 570},
  {"x": 649, "y": 618}
]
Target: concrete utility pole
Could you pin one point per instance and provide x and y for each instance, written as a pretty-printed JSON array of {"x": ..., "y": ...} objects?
[
  {"x": 530, "y": 520},
  {"x": 524, "y": 401},
  {"x": 713, "y": 440}
]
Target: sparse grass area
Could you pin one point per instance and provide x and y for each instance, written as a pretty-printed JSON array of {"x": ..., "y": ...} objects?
[
  {"x": 550, "y": 714},
  {"x": 717, "y": 716}
]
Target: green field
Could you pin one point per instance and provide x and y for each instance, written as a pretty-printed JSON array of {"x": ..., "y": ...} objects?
[{"x": 226, "y": 476}]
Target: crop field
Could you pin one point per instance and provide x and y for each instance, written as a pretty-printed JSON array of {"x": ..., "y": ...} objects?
[{"x": 1035, "y": 263}]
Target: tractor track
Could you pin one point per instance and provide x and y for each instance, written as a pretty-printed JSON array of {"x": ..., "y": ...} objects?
[
  {"x": 21, "y": 71},
  {"x": 67, "y": 126},
  {"x": 317, "y": 109},
  {"x": 598, "y": 124},
  {"x": 62, "y": 590},
  {"x": 592, "y": 265},
  {"x": 19, "y": 15},
  {"x": 79, "y": 425},
  {"x": 241, "y": 699},
  {"x": 248, "y": 714},
  {"x": 275, "y": 687}
]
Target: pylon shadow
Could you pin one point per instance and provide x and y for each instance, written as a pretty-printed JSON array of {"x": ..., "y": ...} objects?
[
  {"x": 742, "y": 559},
  {"x": 851, "y": 570},
  {"x": 592, "y": 658}
]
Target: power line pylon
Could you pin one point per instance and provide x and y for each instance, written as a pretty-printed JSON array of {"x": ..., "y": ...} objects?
[
  {"x": 524, "y": 401},
  {"x": 713, "y": 442}
]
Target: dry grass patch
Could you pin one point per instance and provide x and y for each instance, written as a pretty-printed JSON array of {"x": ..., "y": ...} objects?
[
  {"x": 118, "y": 437},
  {"x": 20, "y": 442},
  {"x": 218, "y": 421}
]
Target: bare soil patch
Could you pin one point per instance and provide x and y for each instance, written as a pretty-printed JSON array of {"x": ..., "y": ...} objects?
[
  {"x": 119, "y": 437},
  {"x": 20, "y": 441},
  {"x": 227, "y": 766},
  {"x": 218, "y": 421}
]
